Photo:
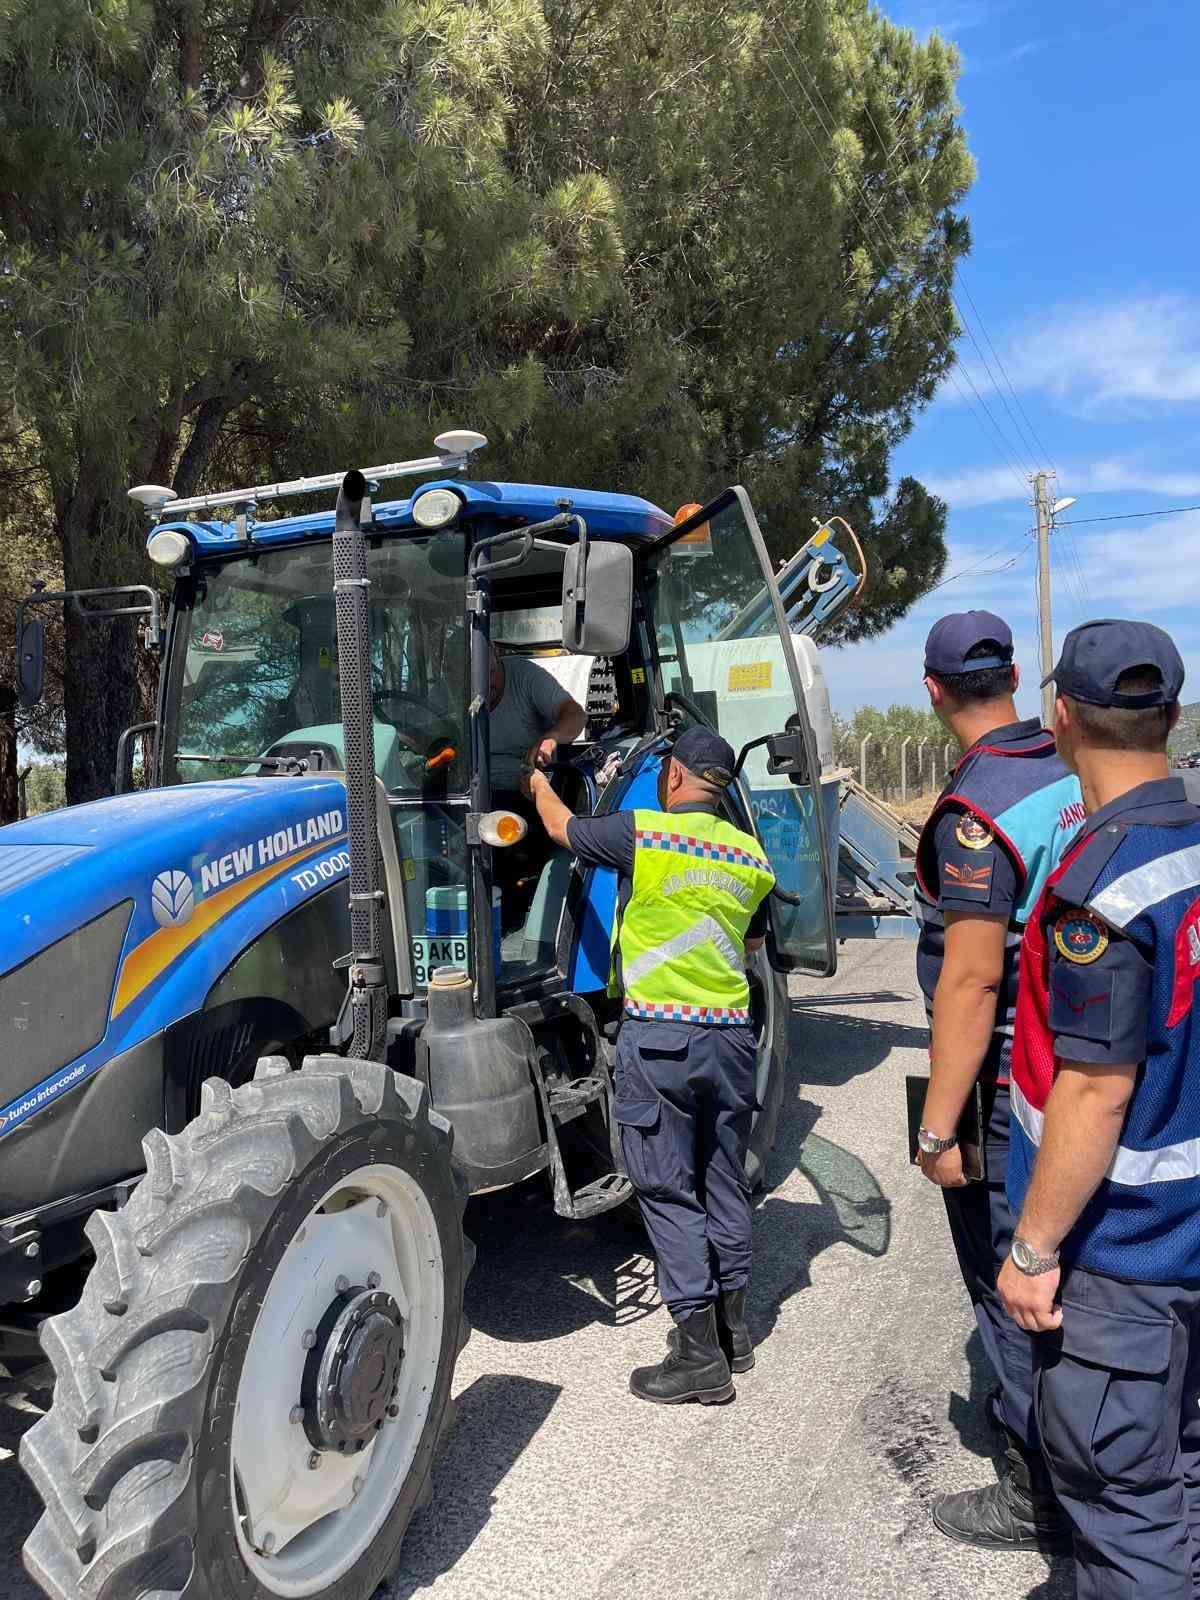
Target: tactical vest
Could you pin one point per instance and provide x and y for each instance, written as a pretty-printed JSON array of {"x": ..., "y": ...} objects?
[
  {"x": 1143, "y": 1223},
  {"x": 1023, "y": 793},
  {"x": 681, "y": 941}
]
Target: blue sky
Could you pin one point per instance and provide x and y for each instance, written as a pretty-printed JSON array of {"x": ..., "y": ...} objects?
[{"x": 1082, "y": 117}]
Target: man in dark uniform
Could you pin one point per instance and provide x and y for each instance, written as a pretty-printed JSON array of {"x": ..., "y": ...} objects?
[
  {"x": 1105, "y": 1166},
  {"x": 997, "y": 829},
  {"x": 691, "y": 904}
]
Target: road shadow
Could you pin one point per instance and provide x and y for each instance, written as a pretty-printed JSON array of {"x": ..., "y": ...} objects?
[
  {"x": 829, "y": 1048},
  {"x": 967, "y": 1413},
  {"x": 539, "y": 1276},
  {"x": 20, "y": 1506},
  {"x": 496, "y": 1419}
]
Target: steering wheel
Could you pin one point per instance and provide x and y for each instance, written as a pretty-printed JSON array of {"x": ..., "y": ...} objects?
[
  {"x": 382, "y": 696},
  {"x": 673, "y": 698}
]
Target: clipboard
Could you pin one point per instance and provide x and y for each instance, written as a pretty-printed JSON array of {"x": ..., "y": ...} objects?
[{"x": 970, "y": 1128}]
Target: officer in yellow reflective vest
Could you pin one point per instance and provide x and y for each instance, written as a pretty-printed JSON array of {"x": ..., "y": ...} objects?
[{"x": 692, "y": 901}]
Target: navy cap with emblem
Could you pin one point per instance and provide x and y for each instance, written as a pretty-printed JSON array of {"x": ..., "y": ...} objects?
[
  {"x": 952, "y": 638},
  {"x": 706, "y": 755},
  {"x": 1096, "y": 654}
]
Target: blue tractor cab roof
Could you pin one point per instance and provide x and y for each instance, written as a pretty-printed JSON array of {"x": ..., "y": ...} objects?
[{"x": 608, "y": 515}]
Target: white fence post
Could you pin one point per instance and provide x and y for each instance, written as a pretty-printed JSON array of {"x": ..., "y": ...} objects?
[
  {"x": 904, "y": 744},
  {"x": 862, "y": 761}
]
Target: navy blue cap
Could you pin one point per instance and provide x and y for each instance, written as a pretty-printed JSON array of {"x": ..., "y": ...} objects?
[
  {"x": 706, "y": 755},
  {"x": 952, "y": 637},
  {"x": 1095, "y": 655}
]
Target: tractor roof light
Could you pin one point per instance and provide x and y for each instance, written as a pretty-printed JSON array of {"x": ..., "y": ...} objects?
[
  {"x": 502, "y": 828},
  {"x": 436, "y": 508},
  {"x": 167, "y": 547}
]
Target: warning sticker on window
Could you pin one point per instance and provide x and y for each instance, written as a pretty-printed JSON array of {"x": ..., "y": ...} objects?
[{"x": 750, "y": 675}]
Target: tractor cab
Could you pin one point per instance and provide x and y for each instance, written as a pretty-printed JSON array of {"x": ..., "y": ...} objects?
[{"x": 694, "y": 630}]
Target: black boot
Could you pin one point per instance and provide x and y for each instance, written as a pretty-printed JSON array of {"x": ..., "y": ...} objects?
[
  {"x": 1020, "y": 1512},
  {"x": 732, "y": 1330},
  {"x": 695, "y": 1367}
]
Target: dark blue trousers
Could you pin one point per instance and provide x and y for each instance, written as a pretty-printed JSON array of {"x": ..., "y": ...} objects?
[
  {"x": 684, "y": 1102},
  {"x": 1118, "y": 1403},
  {"x": 981, "y": 1226}
]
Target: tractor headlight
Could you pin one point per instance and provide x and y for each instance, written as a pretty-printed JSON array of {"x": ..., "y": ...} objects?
[
  {"x": 436, "y": 508},
  {"x": 499, "y": 828},
  {"x": 167, "y": 547}
]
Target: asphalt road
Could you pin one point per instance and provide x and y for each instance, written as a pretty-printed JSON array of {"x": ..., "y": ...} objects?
[{"x": 865, "y": 1404}]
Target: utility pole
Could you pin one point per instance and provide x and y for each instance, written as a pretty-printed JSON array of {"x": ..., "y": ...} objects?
[{"x": 1041, "y": 500}]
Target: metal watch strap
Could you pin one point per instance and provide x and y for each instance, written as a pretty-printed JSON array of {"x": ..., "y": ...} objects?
[
  {"x": 931, "y": 1145},
  {"x": 1034, "y": 1264}
]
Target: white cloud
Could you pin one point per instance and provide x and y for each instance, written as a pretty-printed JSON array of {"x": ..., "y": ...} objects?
[
  {"x": 1146, "y": 569},
  {"x": 981, "y": 486},
  {"x": 1109, "y": 360}
]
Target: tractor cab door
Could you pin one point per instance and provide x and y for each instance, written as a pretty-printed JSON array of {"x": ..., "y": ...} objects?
[{"x": 726, "y": 659}]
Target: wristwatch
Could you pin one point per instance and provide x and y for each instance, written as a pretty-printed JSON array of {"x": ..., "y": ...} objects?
[
  {"x": 930, "y": 1145},
  {"x": 1026, "y": 1259}
]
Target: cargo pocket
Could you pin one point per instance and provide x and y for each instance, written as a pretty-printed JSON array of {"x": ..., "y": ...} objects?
[
  {"x": 636, "y": 1119},
  {"x": 1103, "y": 1405}
]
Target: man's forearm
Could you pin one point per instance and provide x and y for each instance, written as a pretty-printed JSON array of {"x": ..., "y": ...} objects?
[
  {"x": 568, "y": 724},
  {"x": 964, "y": 1019},
  {"x": 553, "y": 813},
  {"x": 1082, "y": 1128}
]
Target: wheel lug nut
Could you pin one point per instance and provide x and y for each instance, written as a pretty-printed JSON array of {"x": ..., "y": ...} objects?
[
  {"x": 342, "y": 1285},
  {"x": 309, "y": 1339},
  {"x": 393, "y": 1410},
  {"x": 295, "y": 1415},
  {"x": 381, "y": 1210},
  {"x": 373, "y": 1280},
  {"x": 314, "y": 1460},
  {"x": 358, "y": 1483},
  {"x": 268, "y": 1543}
]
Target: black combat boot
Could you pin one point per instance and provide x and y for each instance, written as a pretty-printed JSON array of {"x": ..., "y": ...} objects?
[
  {"x": 1020, "y": 1512},
  {"x": 732, "y": 1330},
  {"x": 695, "y": 1367}
]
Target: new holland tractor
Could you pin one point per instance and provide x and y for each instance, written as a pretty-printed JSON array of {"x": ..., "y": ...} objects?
[{"x": 266, "y": 1024}]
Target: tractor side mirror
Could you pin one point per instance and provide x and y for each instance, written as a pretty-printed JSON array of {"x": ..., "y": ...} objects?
[
  {"x": 597, "y": 598},
  {"x": 31, "y": 662}
]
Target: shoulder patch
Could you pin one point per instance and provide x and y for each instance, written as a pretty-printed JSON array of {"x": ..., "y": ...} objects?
[
  {"x": 1187, "y": 964},
  {"x": 1080, "y": 937},
  {"x": 971, "y": 833}
]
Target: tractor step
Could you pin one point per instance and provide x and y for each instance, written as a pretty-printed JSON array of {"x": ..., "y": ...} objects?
[
  {"x": 602, "y": 1194},
  {"x": 570, "y": 1100}
]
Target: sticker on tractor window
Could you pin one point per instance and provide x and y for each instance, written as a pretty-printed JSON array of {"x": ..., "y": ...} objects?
[
  {"x": 211, "y": 639},
  {"x": 429, "y": 954},
  {"x": 749, "y": 675},
  {"x": 638, "y": 674},
  {"x": 324, "y": 656},
  {"x": 1081, "y": 937}
]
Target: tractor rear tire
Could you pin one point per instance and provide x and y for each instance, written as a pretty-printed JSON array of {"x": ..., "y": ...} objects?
[{"x": 203, "y": 1381}]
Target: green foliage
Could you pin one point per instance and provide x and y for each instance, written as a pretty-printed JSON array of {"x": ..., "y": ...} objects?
[
  {"x": 887, "y": 730},
  {"x": 45, "y": 788},
  {"x": 242, "y": 239}
]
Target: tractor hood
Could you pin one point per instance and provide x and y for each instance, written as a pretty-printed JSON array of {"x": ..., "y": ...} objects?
[{"x": 185, "y": 856}]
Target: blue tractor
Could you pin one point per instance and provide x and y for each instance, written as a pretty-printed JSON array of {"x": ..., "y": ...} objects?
[{"x": 265, "y": 1024}]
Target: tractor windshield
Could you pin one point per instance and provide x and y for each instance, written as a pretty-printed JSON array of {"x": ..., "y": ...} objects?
[{"x": 253, "y": 671}]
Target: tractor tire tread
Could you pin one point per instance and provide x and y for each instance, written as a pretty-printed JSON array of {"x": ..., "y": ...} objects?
[{"x": 112, "y": 1458}]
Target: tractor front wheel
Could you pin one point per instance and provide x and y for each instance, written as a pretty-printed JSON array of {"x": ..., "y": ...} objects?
[{"x": 251, "y": 1390}]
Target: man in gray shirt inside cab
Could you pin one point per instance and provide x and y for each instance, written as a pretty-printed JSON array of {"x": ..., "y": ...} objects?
[{"x": 529, "y": 715}]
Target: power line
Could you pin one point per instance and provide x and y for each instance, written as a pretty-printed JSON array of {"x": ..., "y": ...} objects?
[
  {"x": 964, "y": 572},
  {"x": 1125, "y": 516}
]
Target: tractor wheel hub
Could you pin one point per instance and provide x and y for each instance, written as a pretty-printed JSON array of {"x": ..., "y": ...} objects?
[{"x": 353, "y": 1370}]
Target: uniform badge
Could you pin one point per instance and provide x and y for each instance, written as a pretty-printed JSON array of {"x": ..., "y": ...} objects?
[
  {"x": 972, "y": 834},
  {"x": 1080, "y": 937}
]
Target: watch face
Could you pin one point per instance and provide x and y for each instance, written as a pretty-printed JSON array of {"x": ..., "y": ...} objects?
[{"x": 1024, "y": 1255}]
